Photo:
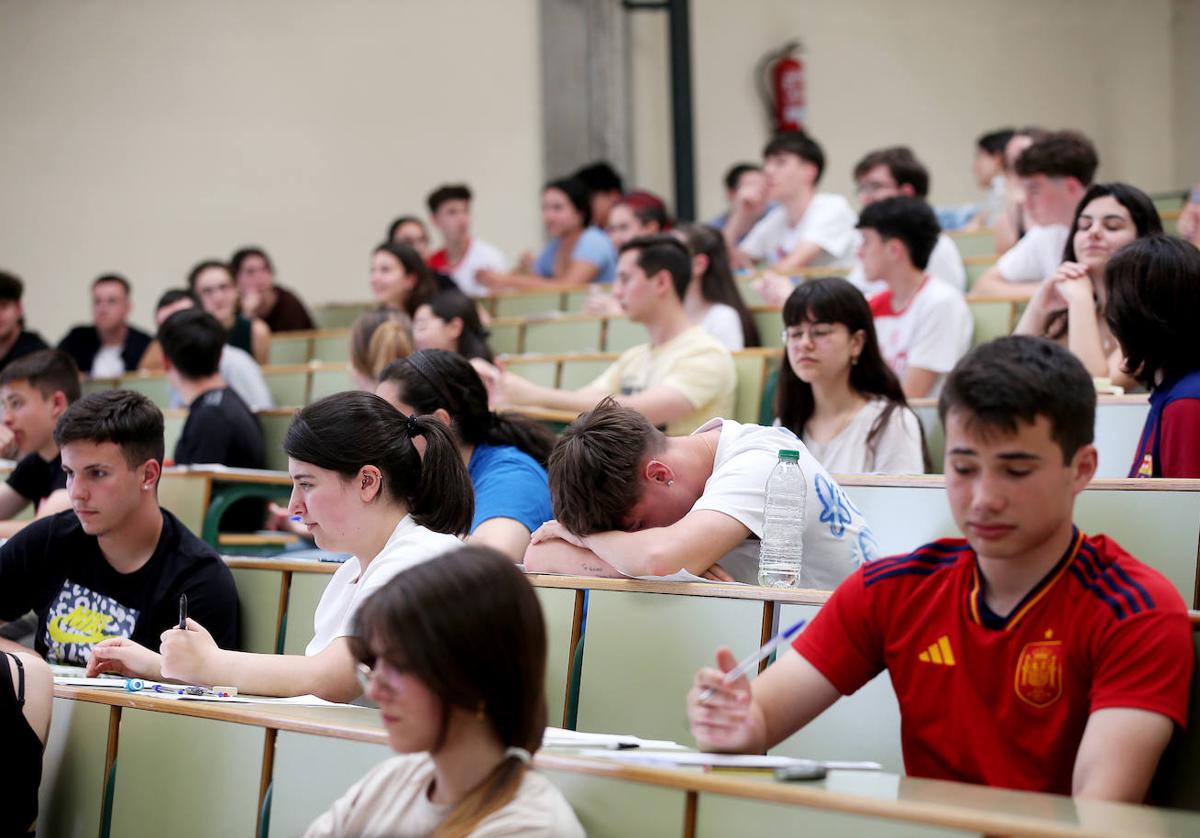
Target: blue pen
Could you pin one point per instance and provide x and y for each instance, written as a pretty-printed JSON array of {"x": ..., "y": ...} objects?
[
  {"x": 295, "y": 517},
  {"x": 749, "y": 662}
]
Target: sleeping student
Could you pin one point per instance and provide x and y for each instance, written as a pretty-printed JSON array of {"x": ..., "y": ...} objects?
[{"x": 360, "y": 486}]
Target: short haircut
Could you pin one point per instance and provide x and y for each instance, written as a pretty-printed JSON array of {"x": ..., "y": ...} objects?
[
  {"x": 1153, "y": 305},
  {"x": 600, "y": 177},
  {"x": 908, "y": 220},
  {"x": 993, "y": 142},
  {"x": 800, "y": 144},
  {"x": 1060, "y": 154},
  {"x": 449, "y": 192},
  {"x": 735, "y": 174},
  {"x": 401, "y": 221},
  {"x": 663, "y": 252},
  {"x": 201, "y": 267},
  {"x": 904, "y": 166},
  {"x": 595, "y": 468},
  {"x": 49, "y": 370},
  {"x": 125, "y": 418},
  {"x": 192, "y": 340},
  {"x": 1017, "y": 379},
  {"x": 117, "y": 278},
  {"x": 647, "y": 207},
  {"x": 172, "y": 296},
  {"x": 240, "y": 256},
  {"x": 577, "y": 193},
  {"x": 11, "y": 287}
]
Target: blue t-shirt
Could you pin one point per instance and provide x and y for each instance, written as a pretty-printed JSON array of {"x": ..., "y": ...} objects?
[
  {"x": 593, "y": 246},
  {"x": 509, "y": 484}
]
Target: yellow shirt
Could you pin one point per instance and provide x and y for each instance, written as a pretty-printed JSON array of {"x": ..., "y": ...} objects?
[{"x": 692, "y": 363}]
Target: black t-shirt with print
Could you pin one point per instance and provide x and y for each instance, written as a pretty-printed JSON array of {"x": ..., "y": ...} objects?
[
  {"x": 56, "y": 569},
  {"x": 35, "y": 479}
]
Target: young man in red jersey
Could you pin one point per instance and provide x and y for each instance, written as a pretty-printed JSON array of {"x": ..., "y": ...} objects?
[{"x": 1026, "y": 656}]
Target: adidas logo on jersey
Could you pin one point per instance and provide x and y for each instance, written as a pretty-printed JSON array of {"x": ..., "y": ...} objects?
[{"x": 939, "y": 653}]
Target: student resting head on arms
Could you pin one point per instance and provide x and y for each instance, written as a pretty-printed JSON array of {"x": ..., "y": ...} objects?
[
  {"x": 400, "y": 279},
  {"x": 630, "y": 501},
  {"x": 1152, "y": 306},
  {"x": 454, "y": 654},
  {"x": 835, "y": 391},
  {"x": 360, "y": 486},
  {"x": 505, "y": 453},
  {"x": 377, "y": 338},
  {"x": 26, "y": 694},
  {"x": 450, "y": 321},
  {"x": 713, "y": 301},
  {"x": 1018, "y": 655},
  {"x": 1067, "y": 307}
]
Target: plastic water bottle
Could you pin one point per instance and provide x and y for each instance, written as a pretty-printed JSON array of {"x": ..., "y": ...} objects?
[{"x": 782, "y": 546}]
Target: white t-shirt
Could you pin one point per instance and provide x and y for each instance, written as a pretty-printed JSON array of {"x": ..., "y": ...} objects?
[
  {"x": 932, "y": 332},
  {"x": 945, "y": 265},
  {"x": 480, "y": 255},
  {"x": 897, "y": 448},
  {"x": 724, "y": 324},
  {"x": 409, "y": 544},
  {"x": 108, "y": 362},
  {"x": 1037, "y": 255},
  {"x": 836, "y": 538},
  {"x": 828, "y": 222},
  {"x": 393, "y": 800}
]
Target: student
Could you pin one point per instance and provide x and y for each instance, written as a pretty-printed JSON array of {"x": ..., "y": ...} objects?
[
  {"x": 1152, "y": 287},
  {"x": 1067, "y": 307},
  {"x": 808, "y": 227},
  {"x": 450, "y": 321},
  {"x": 746, "y": 194},
  {"x": 15, "y": 340},
  {"x": 275, "y": 305},
  {"x": 26, "y": 695},
  {"x": 1054, "y": 173},
  {"x": 836, "y": 392},
  {"x": 115, "y": 565},
  {"x": 924, "y": 326},
  {"x": 1011, "y": 225},
  {"x": 630, "y": 501},
  {"x": 212, "y": 284},
  {"x": 377, "y": 338},
  {"x": 713, "y": 301},
  {"x": 636, "y": 214},
  {"x": 361, "y": 487},
  {"x": 410, "y": 230},
  {"x": 577, "y": 253},
  {"x": 462, "y": 256},
  {"x": 35, "y": 391},
  {"x": 989, "y": 171},
  {"x": 400, "y": 279},
  {"x": 680, "y": 378},
  {"x": 461, "y": 694},
  {"x": 1020, "y": 654},
  {"x": 604, "y": 189},
  {"x": 505, "y": 455},
  {"x": 1189, "y": 216},
  {"x": 109, "y": 347}
]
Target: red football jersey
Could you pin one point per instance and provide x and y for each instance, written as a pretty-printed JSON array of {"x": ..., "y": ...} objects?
[{"x": 1003, "y": 701}]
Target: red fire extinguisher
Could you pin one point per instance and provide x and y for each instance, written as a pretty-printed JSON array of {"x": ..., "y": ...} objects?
[{"x": 781, "y": 85}]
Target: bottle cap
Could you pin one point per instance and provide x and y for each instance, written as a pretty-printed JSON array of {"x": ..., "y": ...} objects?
[{"x": 789, "y": 454}]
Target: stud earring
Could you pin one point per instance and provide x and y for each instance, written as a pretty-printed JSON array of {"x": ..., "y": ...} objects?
[{"x": 670, "y": 483}]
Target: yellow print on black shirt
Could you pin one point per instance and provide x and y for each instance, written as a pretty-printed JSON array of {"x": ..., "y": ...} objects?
[{"x": 79, "y": 618}]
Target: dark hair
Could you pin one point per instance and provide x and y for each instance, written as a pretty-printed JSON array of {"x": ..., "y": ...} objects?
[
  {"x": 717, "y": 285},
  {"x": 201, "y": 267},
  {"x": 434, "y": 378},
  {"x": 993, "y": 142},
  {"x": 663, "y": 252},
  {"x": 349, "y": 430},
  {"x": 401, "y": 221},
  {"x": 239, "y": 258},
  {"x": 599, "y": 177},
  {"x": 1153, "y": 305},
  {"x": 903, "y": 165},
  {"x": 834, "y": 300},
  {"x": 172, "y": 296},
  {"x": 127, "y": 419},
  {"x": 469, "y": 627},
  {"x": 117, "y": 278},
  {"x": 449, "y": 192},
  {"x": 576, "y": 192},
  {"x": 11, "y": 287},
  {"x": 49, "y": 370},
  {"x": 735, "y": 174},
  {"x": 1017, "y": 379},
  {"x": 1060, "y": 154},
  {"x": 800, "y": 144},
  {"x": 909, "y": 221},
  {"x": 377, "y": 338},
  {"x": 596, "y": 466},
  {"x": 411, "y": 263},
  {"x": 647, "y": 207},
  {"x": 450, "y": 304},
  {"x": 192, "y": 340}
]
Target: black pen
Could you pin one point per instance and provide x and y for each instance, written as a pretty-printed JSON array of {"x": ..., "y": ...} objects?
[{"x": 183, "y": 612}]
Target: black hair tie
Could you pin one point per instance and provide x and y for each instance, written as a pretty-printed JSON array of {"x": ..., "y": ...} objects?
[{"x": 412, "y": 426}]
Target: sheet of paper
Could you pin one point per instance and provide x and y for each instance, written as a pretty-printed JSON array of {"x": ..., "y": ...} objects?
[
  {"x": 76, "y": 681},
  {"x": 677, "y": 576},
  {"x": 170, "y": 693},
  {"x": 556, "y": 737},
  {"x": 693, "y": 758}
]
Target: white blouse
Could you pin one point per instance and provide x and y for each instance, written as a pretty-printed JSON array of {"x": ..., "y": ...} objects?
[{"x": 897, "y": 448}]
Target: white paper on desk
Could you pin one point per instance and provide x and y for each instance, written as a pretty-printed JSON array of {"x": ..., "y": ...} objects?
[
  {"x": 73, "y": 681},
  {"x": 677, "y": 576},
  {"x": 292, "y": 701},
  {"x": 692, "y": 758},
  {"x": 556, "y": 737}
]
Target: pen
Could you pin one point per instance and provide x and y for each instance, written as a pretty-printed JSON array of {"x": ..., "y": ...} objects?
[
  {"x": 748, "y": 663},
  {"x": 295, "y": 517},
  {"x": 183, "y": 611}
]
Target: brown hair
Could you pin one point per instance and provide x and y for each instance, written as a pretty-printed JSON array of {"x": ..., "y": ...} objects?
[
  {"x": 377, "y": 338},
  {"x": 595, "y": 466},
  {"x": 1059, "y": 154},
  {"x": 488, "y": 658}
]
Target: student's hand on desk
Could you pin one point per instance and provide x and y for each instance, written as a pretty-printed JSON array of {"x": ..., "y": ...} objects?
[
  {"x": 121, "y": 656},
  {"x": 725, "y": 721},
  {"x": 773, "y": 288},
  {"x": 551, "y": 530},
  {"x": 186, "y": 654},
  {"x": 716, "y": 573}
]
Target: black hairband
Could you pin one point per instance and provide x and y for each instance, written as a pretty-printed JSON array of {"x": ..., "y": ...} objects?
[{"x": 412, "y": 426}]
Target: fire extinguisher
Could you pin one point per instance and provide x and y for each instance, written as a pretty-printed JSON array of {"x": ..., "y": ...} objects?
[{"x": 780, "y": 75}]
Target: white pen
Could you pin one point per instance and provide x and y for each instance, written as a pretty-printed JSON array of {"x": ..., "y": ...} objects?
[{"x": 749, "y": 663}]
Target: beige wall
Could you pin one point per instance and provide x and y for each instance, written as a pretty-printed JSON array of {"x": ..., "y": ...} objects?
[{"x": 140, "y": 135}]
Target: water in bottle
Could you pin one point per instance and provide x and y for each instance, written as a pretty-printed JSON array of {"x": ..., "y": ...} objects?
[{"x": 780, "y": 551}]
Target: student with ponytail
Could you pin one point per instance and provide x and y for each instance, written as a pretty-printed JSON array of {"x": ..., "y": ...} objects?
[
  {"x": 462, "y": 697},
  {"x": 360, "y": 486},
  {"x": 505, "y": 454}
]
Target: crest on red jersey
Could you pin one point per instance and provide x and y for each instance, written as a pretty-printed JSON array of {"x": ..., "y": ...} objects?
[{"x": 1039, "y": 677}]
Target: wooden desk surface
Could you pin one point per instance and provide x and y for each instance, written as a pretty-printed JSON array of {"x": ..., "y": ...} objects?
[{"x": 261, "y": 476}]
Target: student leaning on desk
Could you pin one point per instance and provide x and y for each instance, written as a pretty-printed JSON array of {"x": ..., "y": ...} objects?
[
  {"x": 1026, "y": 656},
  {"x": 360, "y": 487}
]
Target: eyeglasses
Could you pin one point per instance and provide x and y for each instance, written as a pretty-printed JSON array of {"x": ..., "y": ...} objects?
[
  {"x": 816, "y": 332},
  {"x": 870, "y": 187},
  {"x": 383, "y": 673}
]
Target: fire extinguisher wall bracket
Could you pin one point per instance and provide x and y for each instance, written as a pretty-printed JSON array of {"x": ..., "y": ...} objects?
[{"x": 781, "y": 86}]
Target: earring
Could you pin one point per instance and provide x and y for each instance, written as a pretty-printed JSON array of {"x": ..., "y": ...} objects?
[
  {"x": 853, "y": 360},
  {"x": 670, "y": 483}
]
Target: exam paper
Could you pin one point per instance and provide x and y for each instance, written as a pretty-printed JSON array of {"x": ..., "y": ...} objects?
[
  {"x": 693, "y": 758},
  {"x": 556, "y": 737},
  {"x": 119, "y": 684}
]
